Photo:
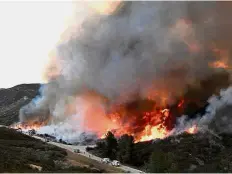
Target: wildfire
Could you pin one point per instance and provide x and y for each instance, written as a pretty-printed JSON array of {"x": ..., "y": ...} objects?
[
  {"x": 222, "y": 55},
  {"x": 192, "y": 130},
  {"x": 152, "y": 124},
  {"x": 143, "y": 125},
  {"x": 219, "y": 64},
  {"x": 153, "y": 132},
  {"x": 27, "y": 127},
  {"x": 144, "y": 119}
]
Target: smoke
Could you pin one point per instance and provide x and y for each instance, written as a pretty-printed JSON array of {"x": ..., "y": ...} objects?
[
  {"x": 146, "y": 48},
  {"x": 68, "y": 133},
  {"x": 217, "y": 118}
]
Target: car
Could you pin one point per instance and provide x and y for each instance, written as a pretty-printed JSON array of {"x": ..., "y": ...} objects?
[
  {"x": 76, "y": 150},
  {"x": 115, "y": 163}
]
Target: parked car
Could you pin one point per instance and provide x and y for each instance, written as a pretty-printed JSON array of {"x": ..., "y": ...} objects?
[
  {"x": 115, "y": 163},
  {"x": 106, "y": 160}
]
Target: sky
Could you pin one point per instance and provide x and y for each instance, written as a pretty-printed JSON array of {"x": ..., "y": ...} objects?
[{"x": 28, "y": 32}]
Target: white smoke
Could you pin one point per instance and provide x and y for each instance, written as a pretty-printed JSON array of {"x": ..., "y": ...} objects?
[{"x": 67, "y": 132}]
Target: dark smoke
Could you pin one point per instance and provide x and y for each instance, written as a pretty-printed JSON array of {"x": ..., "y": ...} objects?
[{"x": 134, "y": 50}]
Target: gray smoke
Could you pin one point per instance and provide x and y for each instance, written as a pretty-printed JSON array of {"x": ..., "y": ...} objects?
[
  {"x": 138, "y": 48},
  {"x": 218, "y": 117}
]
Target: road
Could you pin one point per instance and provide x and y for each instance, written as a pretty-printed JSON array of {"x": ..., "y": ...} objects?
[{"x": 86, "y": 154}]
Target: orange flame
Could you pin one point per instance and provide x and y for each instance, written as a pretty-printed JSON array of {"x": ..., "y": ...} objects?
[
  {"x": 222, "y": 55},
  {"x": 153, "y": 132},
  {"x": 181, "y": 104},
  {"x": 219, "y": 64},
  {"x": 155, "y": 128},
  {"x": 27, "y": 127},
  {"x": 192, "y": 130}
]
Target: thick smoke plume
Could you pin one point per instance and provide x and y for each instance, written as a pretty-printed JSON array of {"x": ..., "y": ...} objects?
[{"x": 145, "y": 49}]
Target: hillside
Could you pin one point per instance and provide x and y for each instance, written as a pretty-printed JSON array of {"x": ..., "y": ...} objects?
[
  {"x": 184, "y": 153},
  {"x": 19, "y": 151},
  {"x": 12, "y": 99},
  {"x": 187, "y": 153}
]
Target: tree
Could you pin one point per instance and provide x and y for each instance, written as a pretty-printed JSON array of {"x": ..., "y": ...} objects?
[
  {"x": 111, "y": 145},
  {"x": 101, "y": 148},
  {"x": 161, "y": 162},
  {"x": 125, "y": 148},
  {"x": 100, "y": 145}
]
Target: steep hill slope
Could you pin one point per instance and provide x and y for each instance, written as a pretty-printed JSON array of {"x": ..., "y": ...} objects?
[
  {"x": 12, "y": 99},
  {"x": 193, "y": 153}
]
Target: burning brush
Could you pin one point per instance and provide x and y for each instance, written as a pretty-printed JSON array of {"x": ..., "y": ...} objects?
[
  {"x": 27, "y": 126},
  {"x": 144, "y": 120}
]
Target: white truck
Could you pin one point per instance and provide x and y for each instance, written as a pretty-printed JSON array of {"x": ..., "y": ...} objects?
[{"x": 115, "y": 163}]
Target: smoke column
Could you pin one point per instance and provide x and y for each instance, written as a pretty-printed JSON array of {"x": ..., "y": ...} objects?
[{"x": 112, "y": 59}]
